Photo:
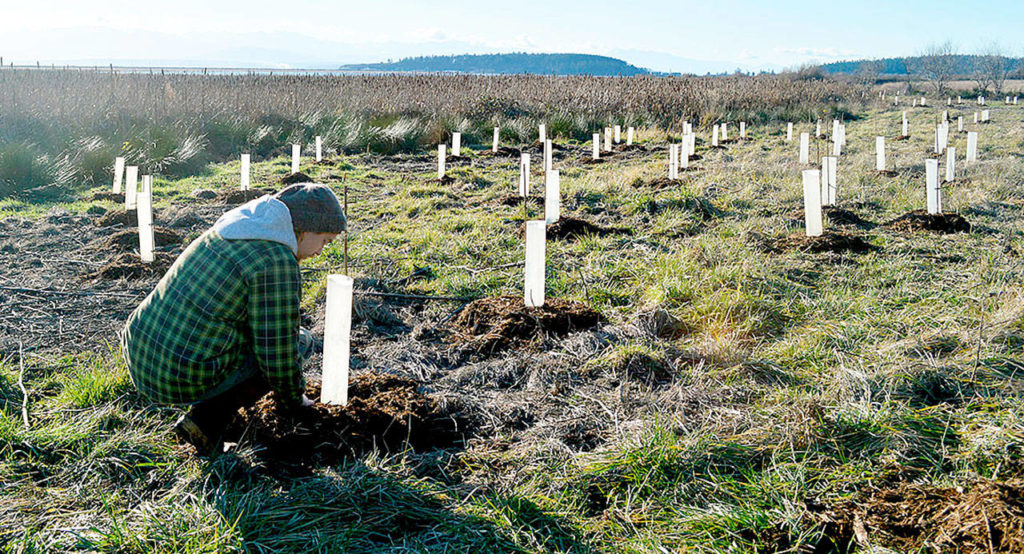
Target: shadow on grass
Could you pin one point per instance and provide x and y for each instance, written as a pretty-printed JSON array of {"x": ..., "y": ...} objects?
[{"x": 358, "y": 508}]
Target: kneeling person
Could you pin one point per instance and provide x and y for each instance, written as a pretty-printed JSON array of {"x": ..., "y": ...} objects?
[{"x": 221, "y": 328}]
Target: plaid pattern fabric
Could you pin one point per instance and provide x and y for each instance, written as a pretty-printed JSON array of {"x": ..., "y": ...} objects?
[{"x": 222, "y": 299}]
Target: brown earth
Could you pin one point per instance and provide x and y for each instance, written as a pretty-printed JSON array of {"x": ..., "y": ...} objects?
[
  {"x": 631, "y": 148},
  {"x": 238, "y": 196},
  {"x": 446, "y": 180},
  {"x": 829, "y": 241},
  {"x": 128, "y": 239},
  {"x": 838, "y": 216},
  {"x": 492, "y": 324},
  {"x": 659, "y": 183},
  {"x": 293, "y": 178},
  {"x": 384, "y": 411},
  {"x": 590, "y": 160},
  {"x": 515, "y": 200},
  {"x": 886, "y": 173},
  {"x": 570, "y": 228},
  {"x": 106, "y": 196},
  {"x": 987, "y": 517},
  {"x": 921, "y": 220},
  {"x": 127, "y": 218},
  {"x": 130, "y": 266},
  {"x": 503, "y": 152}
]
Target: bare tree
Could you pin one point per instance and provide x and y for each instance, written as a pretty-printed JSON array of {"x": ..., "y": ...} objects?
[
  {"x": 869, "y": 70},
  {"x": 936, "y": 64},
  {"x": 991, "y": 68}
]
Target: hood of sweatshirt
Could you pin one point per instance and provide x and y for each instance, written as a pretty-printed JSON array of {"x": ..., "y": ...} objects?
[{"x": 265, "y": 218}]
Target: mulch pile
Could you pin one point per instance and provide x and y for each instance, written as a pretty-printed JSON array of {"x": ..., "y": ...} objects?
[
  {"x": 986, "y": 517},
  {"x": 570, "y": 228},
  {"x": 130, "y": 266},
  {"x": 107, "y": 196},
  {"x": 838, "y": 216},
  {"x": 515, "y": 200},
  {"x": 659, "y": 183},
  {"x": 238, "y": 196},
  {"x": 121, "y": 217},
  {"x": 493, "y": 324},
  {"x": 383, "y": 411},
  {"x": 503, "y": 152},
  {"x": 128, "y": 240},
  {"x": 298, "y": 177},
  {"x": 921, "y": 220},
  {"x": 829, "y": 241}
]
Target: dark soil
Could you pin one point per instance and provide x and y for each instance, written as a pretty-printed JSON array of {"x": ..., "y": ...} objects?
[
  {"x": 456, "y": 159},
  {"x": 901, "y": 137},
  {"x": 659, "y": 183},
  {"x": 571, "y": 228},
  {"x": 130, "y": 266},
  {"x": 590, "y": 160},
  {"x": 515, "y": 200},
  {"x": 293, "y": 178},
  {"x": 128, "y": 240},
  {"x": 106, "y": 196},
  {"x": 838, "y": 216},
  {"x": 631, "y": 148},
  {"x": 384, "y": 411},
  {"x": 492, "y": 324},
  {"x": 446, "y": 180},
  {"x": 921, "y": 220},
  {"x": 986, "y": 517},
  {"x": 238, "y": 196},
  {"x": 829, "y": 241},
  {"x": 122, "y": 217},
  {"x": 503, "y": 152},
  {"x": 886, "y": 173}
]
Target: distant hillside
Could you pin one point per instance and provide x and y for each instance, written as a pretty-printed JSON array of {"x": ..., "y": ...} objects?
[
  {"x": 964, "y": 65},
  {"x": 538, "y": 64}
]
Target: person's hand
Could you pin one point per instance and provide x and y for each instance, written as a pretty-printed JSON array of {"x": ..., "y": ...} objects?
[{"x": 306, "y": 402}]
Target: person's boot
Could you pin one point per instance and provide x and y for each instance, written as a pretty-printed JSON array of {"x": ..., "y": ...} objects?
[{"x": 189, "y": 431}]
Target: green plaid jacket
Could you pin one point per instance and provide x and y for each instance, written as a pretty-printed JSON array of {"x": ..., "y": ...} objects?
[{"x": 221, "y": 301}]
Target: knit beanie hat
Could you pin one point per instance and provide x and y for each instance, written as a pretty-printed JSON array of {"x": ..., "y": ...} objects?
[{"x": 314, "y": 208}]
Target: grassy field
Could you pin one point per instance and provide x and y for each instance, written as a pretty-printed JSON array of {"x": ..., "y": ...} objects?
[{"x": 734, "y": 384}]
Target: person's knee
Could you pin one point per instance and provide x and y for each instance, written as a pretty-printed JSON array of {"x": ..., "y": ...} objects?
[{"x": 307, "y": 344}]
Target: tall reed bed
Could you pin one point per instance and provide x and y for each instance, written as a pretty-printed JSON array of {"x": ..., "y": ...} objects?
[{"x": 66, "y": 126}]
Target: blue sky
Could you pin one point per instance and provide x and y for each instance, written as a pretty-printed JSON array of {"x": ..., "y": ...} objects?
[{"x": 676, "y": 35}]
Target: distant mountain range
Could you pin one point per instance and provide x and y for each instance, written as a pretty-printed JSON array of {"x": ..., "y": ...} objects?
[
  {"x": 964, "y": 65},
  {"x": 500, "y": 64}
]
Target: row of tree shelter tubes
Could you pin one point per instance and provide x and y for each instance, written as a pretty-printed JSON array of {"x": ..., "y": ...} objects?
[
  {"x": 820, "y": 188},
  {"x": 820, "y": 185}
]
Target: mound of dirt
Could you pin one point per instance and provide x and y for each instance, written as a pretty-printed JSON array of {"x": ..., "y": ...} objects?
[
  {"x": 203, "y": 194},
  {"x": 886, "y": 173},
  {"x": 106, "y": 196},
  {"x": 446, "y": 180},
  {"x": 451, "y": 158},
  {"x": 570, "y": 228},
  {"x": 384, "y": 411},
  {"x": 838, "y": 216},
  {"x": 121, "y": 217},
  {"x": 659, "y": 183},
  {"x": 631, "y": 148},
  {"x": 128, "y": 240},
  {"x": 503, "y": 152},
  {"x": 129, "y": 266},
  {"x": 901, "y": 137},
  {"x": 298, "y": 177},
  {"x": 238, "y": 196},
  {"x": 921, "y": 220},
  {"x": 590, "y": 160},
  {"x": 988, "y": 517},
  {"x": 829, "y": 241},
  {"x": 493, "y": 324},
  {"x": 515, "y": 200}
]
